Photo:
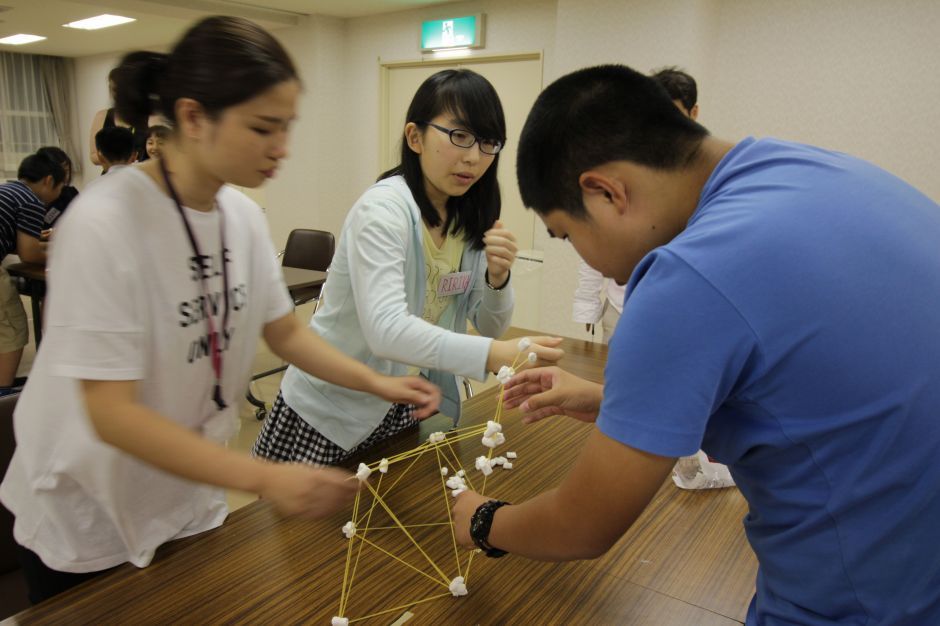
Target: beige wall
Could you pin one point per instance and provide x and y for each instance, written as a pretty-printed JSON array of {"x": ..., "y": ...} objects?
[{"x": 854, "y": 76}]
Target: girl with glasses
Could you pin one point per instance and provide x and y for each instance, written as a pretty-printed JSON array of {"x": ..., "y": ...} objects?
[
  {"x": 162, "y": 280},
  {"x": 421, "y": 254}
]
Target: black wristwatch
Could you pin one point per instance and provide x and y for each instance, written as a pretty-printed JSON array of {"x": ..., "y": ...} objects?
[{"x": 480, "y": 527}]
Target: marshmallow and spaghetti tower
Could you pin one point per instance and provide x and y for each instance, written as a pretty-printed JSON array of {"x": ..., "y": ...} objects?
[{"x": 454, "y": 479}]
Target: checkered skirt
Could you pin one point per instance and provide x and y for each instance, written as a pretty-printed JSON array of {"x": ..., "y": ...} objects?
[{"x": 285, "y": 436}]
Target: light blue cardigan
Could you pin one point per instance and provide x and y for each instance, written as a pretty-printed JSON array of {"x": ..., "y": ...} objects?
[{"x": 372, "y": 306}]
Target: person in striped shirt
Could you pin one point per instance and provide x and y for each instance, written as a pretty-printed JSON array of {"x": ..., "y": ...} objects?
[{"x": 22, "y": 210}]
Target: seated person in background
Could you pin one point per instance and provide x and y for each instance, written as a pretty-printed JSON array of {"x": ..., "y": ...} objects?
[
  {"x": 55, "y": 210},
  {"x": 22, "y": 209},
  {"x": 156, "y": 136},
  {"x": 115, "y": 146}
]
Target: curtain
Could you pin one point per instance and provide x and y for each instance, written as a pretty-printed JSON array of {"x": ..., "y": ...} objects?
[
  {"x": 26, "y": 120},
  {"x": 58, "y": 79}
]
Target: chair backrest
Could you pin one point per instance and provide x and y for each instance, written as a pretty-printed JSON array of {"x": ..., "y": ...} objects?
[
  {"x": 8, "y": 561},
  {"x": 309, "y": 249}
]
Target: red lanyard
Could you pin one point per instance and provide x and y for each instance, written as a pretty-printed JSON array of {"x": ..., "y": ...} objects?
[{"x": 214, "y": 349}]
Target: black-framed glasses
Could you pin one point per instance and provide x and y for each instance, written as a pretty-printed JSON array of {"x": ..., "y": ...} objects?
[{"x": 465, "y": 139}]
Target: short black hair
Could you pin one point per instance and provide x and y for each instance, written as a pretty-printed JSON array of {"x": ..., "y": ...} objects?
[
  {"x": 594, "y": 116},
  {"x": 679, "y": 85},
  {"x": 61, "y": 157},
  {"x": 115, "y": 143},
  {"x": 37, "y": 166},
  {"x": 473, "y": 101}
]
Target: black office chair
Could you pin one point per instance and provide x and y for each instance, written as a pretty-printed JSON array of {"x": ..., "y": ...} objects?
[
  {"x": 13, "y": 591},
  {"x": 310, "y": 250}
]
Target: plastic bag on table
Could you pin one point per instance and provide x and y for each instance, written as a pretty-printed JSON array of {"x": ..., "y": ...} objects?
[{"x": 699, "y": 472}]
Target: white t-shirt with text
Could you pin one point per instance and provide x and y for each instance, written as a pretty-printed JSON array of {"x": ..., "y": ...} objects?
[{"x": 125, "y": 303}]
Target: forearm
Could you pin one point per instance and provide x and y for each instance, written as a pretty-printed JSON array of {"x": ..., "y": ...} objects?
[
  {"x": 151, "y": 437},
  {"x": 30, "y": 249},
  {"x": 493, "y": 314},
  {"x": 545, "y": 529},
  {"x": 301, "y": 347},
  {"x": 604, "y": 493}
]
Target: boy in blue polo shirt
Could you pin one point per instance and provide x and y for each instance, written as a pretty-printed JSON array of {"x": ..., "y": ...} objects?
[
  {"x": 781, "y": 314},
  {"x": 22, "y": 211}
]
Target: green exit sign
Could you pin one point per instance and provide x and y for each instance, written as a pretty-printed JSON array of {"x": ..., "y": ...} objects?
[{"x": 455, "y": 32}]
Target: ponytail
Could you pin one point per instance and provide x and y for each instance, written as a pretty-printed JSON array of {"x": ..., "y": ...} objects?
[{"x": 136, "y": 85}]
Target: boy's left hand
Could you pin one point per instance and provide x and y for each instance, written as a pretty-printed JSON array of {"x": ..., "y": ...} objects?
[
  {"x": 500, "y": 248},
  {"x": 465, "y": 505},
  {"x": 420, "y": 392}
]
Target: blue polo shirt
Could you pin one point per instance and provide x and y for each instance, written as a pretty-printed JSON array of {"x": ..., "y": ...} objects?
[
  {"x": 792, "y": 331},
  {"x": 20, "y": 209}
]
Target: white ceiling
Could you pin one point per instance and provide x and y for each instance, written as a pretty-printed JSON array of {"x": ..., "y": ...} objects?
[{"x": 160, "y": 22}]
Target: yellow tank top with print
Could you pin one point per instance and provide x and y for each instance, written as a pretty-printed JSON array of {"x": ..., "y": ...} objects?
[{"x": 439, "y": 262}]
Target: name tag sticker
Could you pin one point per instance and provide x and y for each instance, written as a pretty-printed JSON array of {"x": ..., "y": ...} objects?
[{"x": 453, "y": 284}]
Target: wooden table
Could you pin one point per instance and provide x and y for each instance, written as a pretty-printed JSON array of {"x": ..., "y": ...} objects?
[
  {"x": 34, "y": 277},
  {"x": 685, "y": 561}
]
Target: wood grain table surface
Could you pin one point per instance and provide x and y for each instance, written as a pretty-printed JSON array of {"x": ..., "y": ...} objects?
[{"x": 685, "y": 561}]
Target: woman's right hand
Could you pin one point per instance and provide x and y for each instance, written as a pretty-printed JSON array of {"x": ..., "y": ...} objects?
[
  {"x": 506, "y": 352},
  {"x": 307, "y": 491}
]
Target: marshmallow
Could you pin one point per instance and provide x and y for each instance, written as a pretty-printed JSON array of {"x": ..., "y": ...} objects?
[
  {"x": 456, "y": 492},
  {"x": 533, "y": 357},
  {"x": 507, "y": 465},
  {"x": 487, "y": 469},
  {"x": 498, "y": 460},
  {"x": 510, "y": 455},
  {"x": 461, "y": 473},
  {"x": 504, "y": 374},
  {"x": 496, "y": 439},
  {"x": 524, "y": 343},
  {"x": 457, "y": 587},
  {"x": 455, "y": 482},
  {"x": 339, "y": 621},
  {"x": 363, "y": 472},
  {"x": 492, "y": 428},
  {"x": 349, "y": 529},
  {"x": 383, "y": 466},
  {"x": 444, "y": 471},
  {"x": 481, "y": 461},
  {"x": 436, "y": 437}
]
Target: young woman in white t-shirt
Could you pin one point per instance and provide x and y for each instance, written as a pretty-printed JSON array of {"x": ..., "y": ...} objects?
[
  {"x": 161, "y": 282},
  {"x": 421, "y": 254}
]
